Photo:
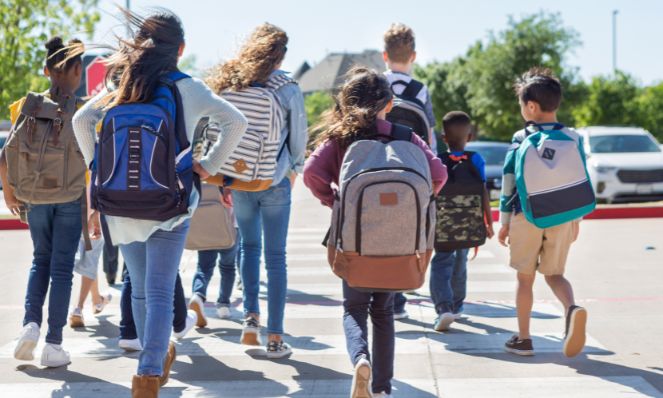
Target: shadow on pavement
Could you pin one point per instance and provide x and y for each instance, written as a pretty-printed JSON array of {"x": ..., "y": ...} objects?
[
  {"x": 68, "y": 378},
  {"x": 208, "y": 368},
  {"x": 583, "y": 364}
]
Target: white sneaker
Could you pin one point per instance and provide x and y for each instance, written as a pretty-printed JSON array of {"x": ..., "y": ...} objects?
[
  {"x": 191, "y": 319},
  {"x": 105, "y": 300},
  {"x": 25, "y": 346},
  {"x": 361, "y": 381},
  {"x": 223, "y": 312},
  {"x": 382, "y": 395},
  {"x": 443, "y": 321},
  {"x": 401, "y": 315},
  {"x": 130, "y": 345},
  {"x": 54, "y": 356},
  {"x": 196, "y": 303}
]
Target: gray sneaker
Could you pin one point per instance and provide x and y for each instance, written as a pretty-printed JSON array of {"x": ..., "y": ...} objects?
[{"x": 278, "y": 349}]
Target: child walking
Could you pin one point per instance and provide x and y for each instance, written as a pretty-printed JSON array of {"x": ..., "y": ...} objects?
[
  {"x": 448, "y": 274},
  {"x": 362, "y": 105},
  {"x": 152, "y": 103},
  {"x": 55, "y": 205},
  {"x": 399, "y": 54},
  {"x": 532, "y": 248},
  {"x": 263, "y": 215}
]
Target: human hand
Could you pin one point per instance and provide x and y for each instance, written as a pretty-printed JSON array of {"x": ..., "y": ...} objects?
[
  {"x": 490, "y": 232},
  {"x": 11, "y": 202},
  {"x": 200, "y": 170},
  {"x": 94, "y": 225},
  {"x": 227, "y": 199},
  {"x": 503, "y": 235},
  {"x": 293, "y": 178}
]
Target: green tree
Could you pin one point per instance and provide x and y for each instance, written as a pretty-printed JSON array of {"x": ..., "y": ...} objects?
[
  {"x": 315, "y": 104},
  {"x": 481, "y": 81},
  {"x": 25, "y": 26},
  {"x": 610, "y": 100},
  {"x": 650, "y": 109}
]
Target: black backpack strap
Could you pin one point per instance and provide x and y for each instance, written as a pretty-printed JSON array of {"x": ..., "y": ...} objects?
[
  {"x": 473, "y": 168},
  {"x": 401, "y": 133},
  {"x": 412, "y": 90}
]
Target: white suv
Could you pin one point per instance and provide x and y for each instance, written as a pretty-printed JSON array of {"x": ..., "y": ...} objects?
[{"x": 624, "y": 163}]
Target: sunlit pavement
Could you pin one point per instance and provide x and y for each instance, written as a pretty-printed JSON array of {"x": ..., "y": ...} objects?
[{"x": 616, "y": 268}]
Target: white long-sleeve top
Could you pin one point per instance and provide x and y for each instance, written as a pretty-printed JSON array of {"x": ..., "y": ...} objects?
[{"x": 198, "y": 101}]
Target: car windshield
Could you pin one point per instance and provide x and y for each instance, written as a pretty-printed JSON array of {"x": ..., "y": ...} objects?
[
  {"x": 625, "y": 143},
  {"x": 493, "y": 154}
]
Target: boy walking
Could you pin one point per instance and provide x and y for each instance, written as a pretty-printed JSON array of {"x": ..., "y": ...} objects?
[
  {"x": 532, "y": 248},
  {"x": 467, "y": 172},
  {"x": 399, "y": 54}
]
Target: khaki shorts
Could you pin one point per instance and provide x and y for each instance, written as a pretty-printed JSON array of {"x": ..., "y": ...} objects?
[{"x": 533, "y": 248}]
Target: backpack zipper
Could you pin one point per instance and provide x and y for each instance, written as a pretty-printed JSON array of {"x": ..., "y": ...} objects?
[{"x": 573, "y": 184}]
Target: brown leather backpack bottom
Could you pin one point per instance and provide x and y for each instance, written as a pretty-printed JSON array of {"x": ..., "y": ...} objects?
[{"x": 375, "y": 273}]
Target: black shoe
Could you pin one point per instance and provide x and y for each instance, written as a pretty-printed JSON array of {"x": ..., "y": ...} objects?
[
  {"x": 576, "y": 322},
  {"x": 111, "y": 279},
  {"x": 519, "y": 346}
]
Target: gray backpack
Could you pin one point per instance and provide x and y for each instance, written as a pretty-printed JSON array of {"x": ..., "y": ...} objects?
[{"x": 381, "y": 237}]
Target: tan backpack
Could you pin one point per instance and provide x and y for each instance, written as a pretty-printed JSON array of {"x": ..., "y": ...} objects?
[{"x": 44, "y": 163}]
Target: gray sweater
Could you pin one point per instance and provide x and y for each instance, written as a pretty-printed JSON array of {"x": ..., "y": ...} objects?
[{"x": 198, "y": 101}]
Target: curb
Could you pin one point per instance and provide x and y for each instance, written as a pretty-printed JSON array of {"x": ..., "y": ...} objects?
[
  {"x": 611, "y": 212},
  {"x": 601, "y": 213},
  {"x": 9, "y": 224}
]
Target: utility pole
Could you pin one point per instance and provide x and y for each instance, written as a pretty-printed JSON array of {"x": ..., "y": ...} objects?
[
  {"x": 614, "y": 40},
  {"x": 128, "y": 7}
]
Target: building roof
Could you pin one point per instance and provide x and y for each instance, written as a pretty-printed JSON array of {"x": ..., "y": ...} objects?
[{"x": 329, "y": 73}]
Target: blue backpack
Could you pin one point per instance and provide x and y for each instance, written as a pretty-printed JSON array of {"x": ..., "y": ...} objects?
[
  {"x": 143, "y": 162},
  {"x": 551, "y": 176}
]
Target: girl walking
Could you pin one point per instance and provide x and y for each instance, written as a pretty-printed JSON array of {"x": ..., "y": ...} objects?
[
  {"x": 263, "y": 216},
  {"x": 144, "y": 72},
  {"x": 49, "y": 184},
  {"x": 359, "y": 114}
]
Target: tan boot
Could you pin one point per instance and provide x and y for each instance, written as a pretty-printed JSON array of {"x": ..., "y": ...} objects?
[
  {"x": 145, "y": 387},
  {"x": 168, "y": 363}
]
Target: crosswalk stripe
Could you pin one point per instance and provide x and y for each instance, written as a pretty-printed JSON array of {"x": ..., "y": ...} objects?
[
  {"x": 542, "y": 387},
  {"x": 408, "y": 343}
]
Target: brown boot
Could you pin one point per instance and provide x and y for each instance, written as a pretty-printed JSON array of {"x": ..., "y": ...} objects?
[
  {"x": 168, "y": 363},
  {"x": 145, "y": 387}
]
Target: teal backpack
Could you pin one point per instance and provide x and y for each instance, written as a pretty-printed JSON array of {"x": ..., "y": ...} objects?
[{"x": 551, "y": 176}]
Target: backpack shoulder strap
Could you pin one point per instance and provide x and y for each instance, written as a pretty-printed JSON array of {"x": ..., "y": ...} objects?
[
  {"x": 401, "y": 133},
  {"x": 412, "y": 89},
  {"x": 180, "y": 127}
]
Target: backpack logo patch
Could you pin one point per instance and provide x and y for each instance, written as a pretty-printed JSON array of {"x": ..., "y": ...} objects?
[
  {"x": 388, "y": 199},
  {"x": 548, "y": 153}
]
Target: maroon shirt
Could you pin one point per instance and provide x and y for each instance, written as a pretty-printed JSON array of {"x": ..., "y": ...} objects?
[{"x": 323, "y": 167}]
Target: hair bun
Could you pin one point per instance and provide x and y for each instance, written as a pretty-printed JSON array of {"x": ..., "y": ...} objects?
[{"x": 54, "y": 44}]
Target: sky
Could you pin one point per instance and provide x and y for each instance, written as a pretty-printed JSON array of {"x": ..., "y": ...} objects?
[{"x": 444, "y": 29}]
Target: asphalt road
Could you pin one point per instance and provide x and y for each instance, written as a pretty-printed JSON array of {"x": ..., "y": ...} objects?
[{"x": 616, "y": 268}]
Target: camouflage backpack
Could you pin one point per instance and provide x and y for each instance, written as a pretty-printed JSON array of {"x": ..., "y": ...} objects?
[{"x": 460, "y": 213}]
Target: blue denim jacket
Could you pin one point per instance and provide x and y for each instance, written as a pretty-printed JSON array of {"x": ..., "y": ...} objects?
[{"x": 294, "y": 131}]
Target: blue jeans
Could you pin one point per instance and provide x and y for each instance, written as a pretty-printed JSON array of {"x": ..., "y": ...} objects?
[
  {"x": 55, "y": 230},
  {"x": 207, "y": 261},
  {"x": 153, "y": 266},
  {"x": 264, "y": 213},
  {"x": 127, "y": 325},
  {"x": 358, "y": 305},
  {"x": 448, "y": 280}
]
